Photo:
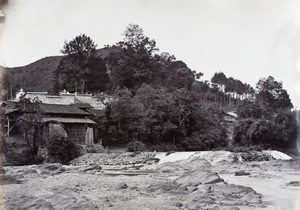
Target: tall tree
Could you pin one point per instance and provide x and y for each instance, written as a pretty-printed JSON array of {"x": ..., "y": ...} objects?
[
  {"x": 80, "y": 45},
  {"x": 271, "y": 93},
  {"x": 219, "y": 78},
  {"x": 125, "y": 118},
  {"x": 135, "y": 63},
  {"x": 81, "y": 69},
  {"x": 134, "y": 38},
  {"x": 180, "y": 78},
  {"x": 29, "y": 121}
]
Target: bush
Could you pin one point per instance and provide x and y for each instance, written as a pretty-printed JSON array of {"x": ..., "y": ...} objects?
[
  {"x": 214, "y": 138},
  {"x": 96, "y": 148},
  {"x": 240, "y": 136},
  {"x": 136, "y": 146},
  {"x": 22, "y": 156},
  {"x": 248, "y": 109},
  {"x": 62, "y": 150},
  {"x": 193, "y": 144},
  {"x": 164, "y": 148},
  {"x": 278, "y": 131}
]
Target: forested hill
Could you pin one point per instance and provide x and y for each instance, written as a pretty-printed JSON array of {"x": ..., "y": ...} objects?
[
  {"x": 159, "y": 101},
  {"x": 37, "y": 76}
]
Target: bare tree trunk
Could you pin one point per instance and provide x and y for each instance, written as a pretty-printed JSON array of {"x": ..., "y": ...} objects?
[
  {"x": 174, "y": 139},
  {"x": 35, "y": 146},
  {"x": 27, "y": 138},
  {"x": 83, "y": 83}
]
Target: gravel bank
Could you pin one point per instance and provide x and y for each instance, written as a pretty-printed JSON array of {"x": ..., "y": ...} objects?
[{"x": 114, "y": 159}]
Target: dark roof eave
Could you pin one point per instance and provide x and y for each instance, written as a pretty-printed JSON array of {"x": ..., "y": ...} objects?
[{"x": 62, "y": 109}]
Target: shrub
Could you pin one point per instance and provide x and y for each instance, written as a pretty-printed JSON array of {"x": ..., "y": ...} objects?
[
  {"x": 22, "y": 156},
  {"x": 96, "y": 148},
  {"x": 136, "y": 146},
  {"x": 248, "y": 109},
  {"x": 194, "y": 143},
  {"x": 240, "y": 136},
  {"x": 164, "y": 148},
  {"x": 278, "y": 131},
  {"x": 212, "y": 139},
  {"x": 62, "y": 150}
]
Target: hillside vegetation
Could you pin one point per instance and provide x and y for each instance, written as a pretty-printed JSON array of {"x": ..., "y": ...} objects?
[
  {"x": 158, "y": 101},
  {"x": 37, "y": 76}
]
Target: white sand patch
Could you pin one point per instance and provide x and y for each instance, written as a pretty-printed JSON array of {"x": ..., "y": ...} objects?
[
  {"x": 277, "y": 155},
  {"x": 173, "y": 157},
  {"x": 212, "y": 156},
  {"x": 215, "y": 156}
]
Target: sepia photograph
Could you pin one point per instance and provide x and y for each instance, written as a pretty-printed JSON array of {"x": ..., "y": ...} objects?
[{"x": 150, "y": 104}]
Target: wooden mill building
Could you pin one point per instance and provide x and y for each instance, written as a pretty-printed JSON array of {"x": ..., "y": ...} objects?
[{"x": 57, "y": 119}]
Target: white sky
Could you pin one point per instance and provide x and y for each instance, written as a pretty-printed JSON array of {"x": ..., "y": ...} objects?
[{"x": 245, "y": 39}]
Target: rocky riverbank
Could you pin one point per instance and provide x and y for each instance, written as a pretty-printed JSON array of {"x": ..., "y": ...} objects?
[{"x": 201, "y": 180}]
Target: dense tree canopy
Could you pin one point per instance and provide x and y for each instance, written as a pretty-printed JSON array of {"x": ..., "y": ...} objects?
[
  {"x": 134, "y": 64},
  {"x": 79, "y": 46},
  {"x": 231, "y": 84},
  {"x": 81, "y": 69},
  {"x": 163, "y": 116},
  {"x": 271, "y": 93},
  {"x": 279, "y": 130},
  {"x": 267, "y": 121},
  {"x": 137, "y": 62},
  {"x": 219, "y": 78},
  {"x": 156, "y": 99}
]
